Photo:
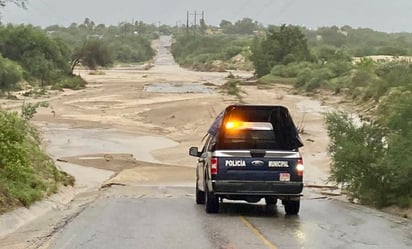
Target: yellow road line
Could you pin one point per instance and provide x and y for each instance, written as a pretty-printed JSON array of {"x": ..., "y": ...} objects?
[{"x": 257, "y": 233}]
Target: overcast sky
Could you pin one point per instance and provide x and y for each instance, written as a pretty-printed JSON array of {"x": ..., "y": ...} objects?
[{"x": 383, "y": 15}]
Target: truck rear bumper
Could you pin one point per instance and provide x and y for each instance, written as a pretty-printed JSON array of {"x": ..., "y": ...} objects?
[{"x": 260, "y": 188}]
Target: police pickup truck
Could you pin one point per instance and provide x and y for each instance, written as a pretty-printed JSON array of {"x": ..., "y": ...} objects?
[{"x": 250, "y": 152}]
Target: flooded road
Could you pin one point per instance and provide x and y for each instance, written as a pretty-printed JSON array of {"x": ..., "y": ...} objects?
[
  {"x": 177, "y": 88},
  {"x": 64, "y": 141},
  {"x": 125, "y": 139}
]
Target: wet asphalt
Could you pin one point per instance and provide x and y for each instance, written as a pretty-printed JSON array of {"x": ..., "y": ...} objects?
[{"x": 167, "y": 217}]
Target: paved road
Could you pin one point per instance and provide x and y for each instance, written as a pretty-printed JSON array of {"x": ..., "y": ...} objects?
[{"x": 167, "y": 217}]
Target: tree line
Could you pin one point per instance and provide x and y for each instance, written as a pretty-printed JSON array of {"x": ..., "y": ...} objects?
[{"x": 47, "y": 57}]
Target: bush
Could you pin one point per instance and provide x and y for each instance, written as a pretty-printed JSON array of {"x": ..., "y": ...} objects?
[
  {"x": 371, "y": 159},
  {"x": 41, "y": 57},
  {"x": 313, "y": 79},
  {"x": 10, "y": 74},
  {"x": 283, "y": 46},
  {"x": 28, "y": 110},
  {"x": 340, "y": 68},
  {"x": 201, "y": 52},
  {"x": 358, "y": 152},
  {"x": 293, "y": 69},
  {"x": 395, "y": 73},
  {"x": 26, "y": 173},
  {"x": 70, "y": 82},
  {"x": 303, "y": 77},
  {"x": 395, "y": 113},
  {"x": 231, "y": 87},
  {"x": 132, "y": 49}
]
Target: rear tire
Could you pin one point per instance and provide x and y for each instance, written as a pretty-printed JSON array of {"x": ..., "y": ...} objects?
[
  {"x": 212, "y": 202},
  {"x": 271, "y": 200},
  {"x": 292, "y": 207},
  {"x": 200, "y": 195}
]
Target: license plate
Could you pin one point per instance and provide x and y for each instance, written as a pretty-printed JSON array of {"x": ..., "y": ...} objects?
[{"x": 284, "y": 177}]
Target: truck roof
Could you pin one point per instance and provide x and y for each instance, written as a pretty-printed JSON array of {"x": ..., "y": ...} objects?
[{"x": 277, "y": 115}]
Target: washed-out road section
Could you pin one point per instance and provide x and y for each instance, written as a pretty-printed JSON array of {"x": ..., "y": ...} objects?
[{"x": 135, "y": 126}]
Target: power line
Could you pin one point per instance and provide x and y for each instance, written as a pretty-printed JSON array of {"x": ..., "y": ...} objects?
[{"x": 195, "y": 15}]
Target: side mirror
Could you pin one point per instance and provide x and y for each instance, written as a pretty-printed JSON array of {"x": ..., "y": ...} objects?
[
  {"x": 213, "y": 146},
  {"x": 194, "y": 151}
]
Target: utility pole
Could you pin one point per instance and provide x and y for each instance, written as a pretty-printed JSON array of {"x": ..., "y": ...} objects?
[
  {"x": 195, "y": 20},
  {"x": 195, "y": 23},
  {"x": 187, "y": 24},
  {"x": 202, "y": 23}
]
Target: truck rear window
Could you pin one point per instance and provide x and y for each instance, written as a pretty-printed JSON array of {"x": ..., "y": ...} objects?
[
  {"x": 282, "y": 134},
  {"x": 250, "y": 139}
]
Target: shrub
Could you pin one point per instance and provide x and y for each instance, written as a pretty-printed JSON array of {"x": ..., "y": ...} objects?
[
  {"x": 231, "y": 87},
  {"x": 134, "y": 49},
  {"x": 26, "y": 173},
  {"x": 10, "y": 74},
  {"x": 358, "y": 153},
  {"x": 71, "y": 82},
  {"x": 313, "y": 79},
  {"x": 340, "y": 68},
  {"x": 303, "y": 77},
  {"x": 292, "y": 70},
  {"x": 200, "y": 52},
  {"x": 28, "y": 110},
  {"x": 283, "y": 46}
]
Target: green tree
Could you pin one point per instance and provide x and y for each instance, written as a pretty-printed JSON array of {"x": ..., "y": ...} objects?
[
  {"x": 19, "y": 43},
  {"x": 265, "y": 54},
  {"x": 283, "y": 46},
  {"x": 245, "y": 26},
  {"x": 38, "y": 66},
  {"x": 226, "y": 26},
  {"x": 332, "y": 36},
  {"x": 94, "y": 53},
  {"x": 10, "y": 74}
]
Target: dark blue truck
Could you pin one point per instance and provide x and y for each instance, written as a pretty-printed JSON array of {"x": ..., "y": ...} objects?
[{"x": 250, "y": 152}]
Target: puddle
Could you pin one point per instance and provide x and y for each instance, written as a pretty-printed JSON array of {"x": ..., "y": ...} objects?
[
  {"x": 178, "y": 88},
  {"x": 68, "y": 142}
]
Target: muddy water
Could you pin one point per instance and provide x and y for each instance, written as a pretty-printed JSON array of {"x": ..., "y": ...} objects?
[
  {"x": 178, "y": 88},
  {"x": 64, "y": 141}
]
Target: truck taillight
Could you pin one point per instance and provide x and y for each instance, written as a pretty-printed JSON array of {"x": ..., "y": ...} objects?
[
  {"x": 213, "y": 168},
  {"x": 300, "y": 167}
]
